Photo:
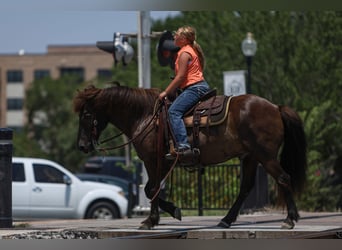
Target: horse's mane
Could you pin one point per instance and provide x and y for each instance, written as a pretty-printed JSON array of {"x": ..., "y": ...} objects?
[
  {"x": 82, "y": 97},
  {"x": 138, "y": 99}
]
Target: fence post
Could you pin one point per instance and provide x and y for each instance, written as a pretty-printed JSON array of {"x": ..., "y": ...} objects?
[
  {"x": 200, "y": 172},
  {"x": 6, "y": 147}
]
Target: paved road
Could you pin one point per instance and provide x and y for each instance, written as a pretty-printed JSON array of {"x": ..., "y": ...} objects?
[{"x": 256, "y": 225}]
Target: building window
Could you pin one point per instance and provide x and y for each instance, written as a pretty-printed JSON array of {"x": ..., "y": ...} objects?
[
  {"x": 41, "y": 73},
  {"x": 104, "y": 74},
  {"x": 14, "y": 76},
  {"x": 78, "y": 72},
  {"x": 15, "y": 104}
]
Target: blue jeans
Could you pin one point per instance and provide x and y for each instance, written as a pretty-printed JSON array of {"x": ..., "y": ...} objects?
[{"x": 186, "y": 100}]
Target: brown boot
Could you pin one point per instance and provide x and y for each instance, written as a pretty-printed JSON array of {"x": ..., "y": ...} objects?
[{"x": 180, "y": 152}]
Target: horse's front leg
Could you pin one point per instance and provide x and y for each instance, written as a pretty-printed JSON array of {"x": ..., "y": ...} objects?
[
  {"x": 153, "y": 218},
  {"x": 170, "y": 208}
]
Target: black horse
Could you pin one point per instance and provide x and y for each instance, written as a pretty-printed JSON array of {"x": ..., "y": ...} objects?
[{"x": 255, "y": 130}]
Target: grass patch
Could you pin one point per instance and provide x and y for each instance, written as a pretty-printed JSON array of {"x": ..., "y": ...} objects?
[{"x": 21, "y": 225}]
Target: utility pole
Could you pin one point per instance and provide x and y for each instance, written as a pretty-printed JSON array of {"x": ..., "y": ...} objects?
[
  {"x": 144, "y": 69},
  {"x": 144, "y": 49}
]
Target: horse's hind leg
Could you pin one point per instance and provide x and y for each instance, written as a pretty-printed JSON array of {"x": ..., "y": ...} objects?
[
  {"x": 249, "y": 166},
  {"x": 284, "y": 182},
  {"x": 292, "y": 212}
]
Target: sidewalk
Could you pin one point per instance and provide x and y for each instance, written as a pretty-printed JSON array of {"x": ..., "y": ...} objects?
[{"x": 265, "y": 225}]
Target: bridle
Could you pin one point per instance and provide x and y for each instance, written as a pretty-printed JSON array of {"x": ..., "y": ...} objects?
[
  {"x": 93, "y": 122},
  {"x": 89, "y": 119},
  {"x": 93, "y": 125}
]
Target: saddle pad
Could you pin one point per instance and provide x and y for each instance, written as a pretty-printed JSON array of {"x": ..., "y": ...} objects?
[{"x": 219, "y": 112}]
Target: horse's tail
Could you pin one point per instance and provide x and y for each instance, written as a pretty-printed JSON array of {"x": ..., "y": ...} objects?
[{"x": 293, "y": 156}]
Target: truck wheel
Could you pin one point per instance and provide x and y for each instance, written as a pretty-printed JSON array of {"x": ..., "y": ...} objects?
[{"x": 102, "y": 210}]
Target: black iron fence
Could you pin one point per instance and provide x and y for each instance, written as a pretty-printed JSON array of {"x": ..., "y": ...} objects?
[{"x": 210, "y": 188}]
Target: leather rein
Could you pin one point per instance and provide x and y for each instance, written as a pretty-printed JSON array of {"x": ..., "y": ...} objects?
[{"x": 157, "y": 108}]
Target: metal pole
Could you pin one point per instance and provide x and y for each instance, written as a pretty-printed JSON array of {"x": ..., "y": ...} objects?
[
  {"x": 249, "y": 64},
  {"x": 6, "y": 149},
  {"x": 258, "y": 196},
  {"x": 144, "y": 68},
  {"x": 144, "y": 49},
  {"x": 200, "y": 172}
]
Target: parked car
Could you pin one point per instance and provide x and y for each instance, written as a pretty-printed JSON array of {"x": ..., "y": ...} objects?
[
  {"x": 111, "y": 165},
  {"x": 128, "y": 187},
  {"x": 44, "y": 189}
]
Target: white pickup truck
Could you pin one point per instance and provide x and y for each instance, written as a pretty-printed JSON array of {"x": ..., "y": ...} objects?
[{"x": 44, "y": 189}]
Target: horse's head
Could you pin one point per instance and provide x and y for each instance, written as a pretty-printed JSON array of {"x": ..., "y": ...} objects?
[
  {"x": 120, "y": 105},
  {"x": 91, "y": 121}
]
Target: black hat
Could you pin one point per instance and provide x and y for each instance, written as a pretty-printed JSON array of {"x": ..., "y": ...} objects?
[{"x": 166, "y": 50}]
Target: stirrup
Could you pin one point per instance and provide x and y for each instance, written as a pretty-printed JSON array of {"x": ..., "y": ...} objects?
[
  {"x": 180, "y": 152},
  {"x": 190, "y": 159},
  {"x": 170, "y": 156},
  {"x": 196, "y": 151}
]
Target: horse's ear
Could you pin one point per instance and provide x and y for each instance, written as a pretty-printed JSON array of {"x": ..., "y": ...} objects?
[
  {"x": 91, "y": 86},
  {"x": 116, "y": 83}
]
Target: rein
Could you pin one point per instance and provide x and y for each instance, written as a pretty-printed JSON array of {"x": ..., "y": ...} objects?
[
  {"x": 157, "y": 110},
  {"x": 157, "y": 107},
  {"x": 162, "y": 135},
  {"x": 110, "y": 138}
]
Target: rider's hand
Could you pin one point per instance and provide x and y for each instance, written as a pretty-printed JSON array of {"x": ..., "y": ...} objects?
[{"x": 162, "y": 95}]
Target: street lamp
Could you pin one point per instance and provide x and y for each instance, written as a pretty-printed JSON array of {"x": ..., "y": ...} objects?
[
  {"x": 249, "y": 48},
  {"x": 258, "y": 196}
]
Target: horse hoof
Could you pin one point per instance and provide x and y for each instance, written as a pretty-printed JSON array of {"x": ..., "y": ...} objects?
[
  {"x": 223, "y": 224},
  {"x": 287, "y": 225},
  {"x": 178, "y": 214},
  {"x": 145, "y": 227}
]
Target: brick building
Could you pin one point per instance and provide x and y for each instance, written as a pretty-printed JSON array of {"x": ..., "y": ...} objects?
[{"x": 18, "y": 71}]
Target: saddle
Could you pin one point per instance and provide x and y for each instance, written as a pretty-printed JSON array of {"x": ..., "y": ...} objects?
[{"x": 209, "y": 111}]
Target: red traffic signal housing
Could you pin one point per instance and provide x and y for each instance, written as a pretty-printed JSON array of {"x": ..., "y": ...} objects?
[{"x": 167, "y": 50}]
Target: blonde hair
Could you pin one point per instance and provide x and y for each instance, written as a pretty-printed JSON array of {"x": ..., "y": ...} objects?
[{"x": 189, "y": 33}]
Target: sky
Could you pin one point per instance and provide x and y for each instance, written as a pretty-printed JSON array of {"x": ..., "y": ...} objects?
[
  {"x": 32, "y": 25},
  {"x": 33, "y": 30}
]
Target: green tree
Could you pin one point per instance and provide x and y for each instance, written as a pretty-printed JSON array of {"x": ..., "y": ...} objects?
[
  {"x": 25, "y": 145},
  {"x": 51, "y": 122}
]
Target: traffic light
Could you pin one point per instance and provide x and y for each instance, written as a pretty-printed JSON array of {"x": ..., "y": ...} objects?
[
  {"x": 167, "y": 50},
  {"x": 128, "y": 51},
  {"x": 119, "y": 48}
]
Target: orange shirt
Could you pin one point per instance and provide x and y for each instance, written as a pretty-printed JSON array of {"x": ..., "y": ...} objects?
[{"x": 194, "y": 72}]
